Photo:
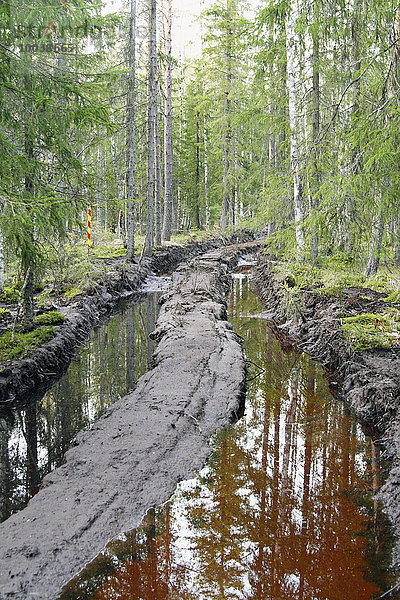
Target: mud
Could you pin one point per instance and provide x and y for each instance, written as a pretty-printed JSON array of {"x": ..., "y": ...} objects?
[
  {"x": 19, "y": 379},
  {"x": 133, "y": 457},
  {"x": 368, "y": 382}
]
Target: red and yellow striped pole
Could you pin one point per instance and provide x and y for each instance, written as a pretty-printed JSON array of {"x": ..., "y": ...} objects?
[{"x": 89, "y": 223}]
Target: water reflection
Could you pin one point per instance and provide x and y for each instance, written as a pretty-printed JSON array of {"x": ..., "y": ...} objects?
[
  {"x": 283, "y": 510},
  {"x": 33, "y": 440}
]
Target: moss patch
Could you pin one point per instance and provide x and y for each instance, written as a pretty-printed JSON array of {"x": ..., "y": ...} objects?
[
  {"x": 10, "y": 295},
  {"x": 332, "y": 274},
  {"x": 372, "y": 330},
  {"x": 53, "y": 317},
  {"x": 393, "y": 298},
  {"x": 72, "y": 292},
  {"x": 23, "y": 343}
]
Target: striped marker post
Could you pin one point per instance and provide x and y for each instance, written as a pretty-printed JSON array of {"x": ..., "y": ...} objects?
[{"x": 89, "y": 223}]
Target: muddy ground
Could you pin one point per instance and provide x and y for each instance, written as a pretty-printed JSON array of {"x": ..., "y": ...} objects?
[
  {"x": 133, "y": 457},
  {"x": 368, "y": 382},
  {"x": 36, "y": 373}
]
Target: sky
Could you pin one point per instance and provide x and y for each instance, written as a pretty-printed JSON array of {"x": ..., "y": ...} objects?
[{"x": 186, "y": 35}]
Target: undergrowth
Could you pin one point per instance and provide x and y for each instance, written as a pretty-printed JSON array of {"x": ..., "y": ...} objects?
[
  {"x": 330, "y": 277},
  {"x": 372, "y": 330},
  {"x": 334, "y": 273}
]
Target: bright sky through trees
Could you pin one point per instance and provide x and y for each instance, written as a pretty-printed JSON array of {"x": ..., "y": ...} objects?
[{"x": 186, "y": 35}]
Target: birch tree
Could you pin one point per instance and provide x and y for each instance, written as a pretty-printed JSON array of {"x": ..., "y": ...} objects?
[
  {"x": 151, "y": 118},
  {"x": 131, "y": 136},
  {"x": 292, "y": 50},
  {"x": 168, "y": 145}
]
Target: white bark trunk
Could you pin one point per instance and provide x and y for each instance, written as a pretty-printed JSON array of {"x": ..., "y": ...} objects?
[
  {"x": 168, "y": 146},
  {"x": 151, "y": 117},
  {"x": 292, "y": 48},
  {"x": 130, "y": 225}
]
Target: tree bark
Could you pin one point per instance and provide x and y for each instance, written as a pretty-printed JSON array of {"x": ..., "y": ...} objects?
[
  {"x": 100, "y": 181},
  {"x": 168, "y": 146},
  {"x": 151, "y": 117},
  {"x": 158, "y": 219},
  {"x": 130, "y": 225},
  {"x": 227, "y": 188},
  {"x": 205, "y": 136},
  {"x": 292, "y": 49},
  {"x": 315, "y": 129},
  {"x": 376, "y": 247}
]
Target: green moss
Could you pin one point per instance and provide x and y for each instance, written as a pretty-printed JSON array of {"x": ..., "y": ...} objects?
[
  {"x": 72, "y": 292},
  {"x": 372, "y": 330},
  {"x": 393, "y": 298},
  {"x": 10, "y": 295},
  {"x": 334, "y": 273},
  {"x": 4, "y": 312},
  {"x": 44, "y": 296},
  {"x": 52, "y": 317},
  {"x": 23, "y": 343}
]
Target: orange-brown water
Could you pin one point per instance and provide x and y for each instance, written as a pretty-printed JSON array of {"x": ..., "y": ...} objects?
[{"x": 283, "y": 509}]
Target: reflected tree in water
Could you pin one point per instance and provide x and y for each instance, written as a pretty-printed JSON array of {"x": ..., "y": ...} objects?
[
  {"x": 105, "y": 368},
  {"x": 282, "y": 511}
]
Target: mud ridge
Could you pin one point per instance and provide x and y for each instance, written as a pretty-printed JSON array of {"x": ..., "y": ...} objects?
[
  {"x": 368, "y": 382},
  {"x": 19, "y": 379},
  {"x": 133, "y": 457}
]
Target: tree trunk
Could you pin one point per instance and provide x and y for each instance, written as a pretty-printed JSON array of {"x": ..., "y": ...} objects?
[
  {"x": 205, "y": 135},
  {"x": 168, "y": 146},
  {"x": 376, "y": 247},
  {"x": 100, "y": 180},
  {"x": 227, "y": 187},
  {"x": 1, "y": 260},
  {"x": 151, "y": 117},
  {"x": 158, "y": 219},
  {"x": 196, "y": 208},
  {"x": 292, "y": 49},
  {"x": 315, "y": 129},
  {"x": 130, "y": 226}
]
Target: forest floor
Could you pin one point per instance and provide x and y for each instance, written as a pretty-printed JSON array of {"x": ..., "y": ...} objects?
[{"x": 352, "y": 330}]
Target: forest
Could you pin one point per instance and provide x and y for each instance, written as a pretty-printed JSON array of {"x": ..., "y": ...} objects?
[{"x": 287, "y": 124}]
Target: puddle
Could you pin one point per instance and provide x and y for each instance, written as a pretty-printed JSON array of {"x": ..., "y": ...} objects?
[
  {"x": 33, "y": 440},
  {"x": 284, "y": 508}
]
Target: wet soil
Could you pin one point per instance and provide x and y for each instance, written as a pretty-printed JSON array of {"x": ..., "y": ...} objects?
[
  {"x": 369, "y": 381},
  {"x": 36, "y": 373},
  {"x": 145, "y": 443}
]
